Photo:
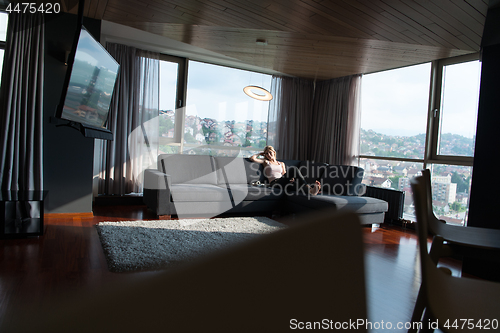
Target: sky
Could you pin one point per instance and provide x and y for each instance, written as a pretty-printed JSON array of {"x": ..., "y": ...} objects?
[
  {"x": 215, "y": 91},
  {"x": 395, "y": 102},
  {"x": 3, "y": 35},
  {"x": 91, "y": 51}
]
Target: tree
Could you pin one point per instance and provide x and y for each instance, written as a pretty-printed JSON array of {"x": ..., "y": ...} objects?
[
  {"x": 395, "y": 182},
  {"x": 462, "y": 183},
  {"x": 189, "y": 138},
  {"x": 457, "y": 207}
]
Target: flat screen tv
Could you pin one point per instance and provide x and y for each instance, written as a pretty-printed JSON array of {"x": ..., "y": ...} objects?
[{"x": 88, "y": 87}]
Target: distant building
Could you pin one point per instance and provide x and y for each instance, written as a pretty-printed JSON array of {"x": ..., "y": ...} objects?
[
  {"x": 443, "y": 190},
  {"x": 400, "y": 170},
  {"x": 377, "y": 182}
]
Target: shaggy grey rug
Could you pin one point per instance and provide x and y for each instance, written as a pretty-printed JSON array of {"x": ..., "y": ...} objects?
[{"x": 150, "y": 245}]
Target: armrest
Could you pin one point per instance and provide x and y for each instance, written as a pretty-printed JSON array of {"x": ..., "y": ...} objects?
[
  {"x": 359, "y": 190},
  {"x": 156, "y": 180},
  {"x": 156, "y": 194}
]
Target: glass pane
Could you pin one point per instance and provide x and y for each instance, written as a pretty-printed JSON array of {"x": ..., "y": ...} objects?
[
  {"x": 1, "y": 63},
  {"x": 220, "y": 114},
  {"x": 392, "y": 175},
  {"x": 168, "y": 96},
  {"x": 4, "y": 19},
  {"x": 394, "y": 112},
  {"x": 170, "y": 148},
  {"x": 450, "y": 192},
  {"x": 459, "y": 101}
]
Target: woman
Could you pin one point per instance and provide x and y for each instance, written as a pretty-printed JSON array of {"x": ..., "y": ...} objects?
[{"x": 275, "y": 171}]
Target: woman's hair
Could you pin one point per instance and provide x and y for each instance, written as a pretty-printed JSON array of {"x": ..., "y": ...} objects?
[{"x": 266, "y": 149}]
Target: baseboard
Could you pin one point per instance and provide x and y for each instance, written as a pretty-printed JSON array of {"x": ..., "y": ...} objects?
[
  {"x": 117, "y": 200},
  {"x": 69, "y": 215}
]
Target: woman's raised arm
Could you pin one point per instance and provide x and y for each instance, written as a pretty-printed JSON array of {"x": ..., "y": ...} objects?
[{"x": 254, "y": 158}]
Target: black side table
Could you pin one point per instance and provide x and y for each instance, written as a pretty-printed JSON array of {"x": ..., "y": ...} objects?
[{"x": 21, "y": 213}]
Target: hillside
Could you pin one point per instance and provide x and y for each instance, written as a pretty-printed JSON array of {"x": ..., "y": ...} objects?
[{"x": 377, "y": 144}]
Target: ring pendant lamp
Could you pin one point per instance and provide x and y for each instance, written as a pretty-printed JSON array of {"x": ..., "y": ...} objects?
[
  {"x": 257, "y": 92},
  {"x": 254, "y": 92}
]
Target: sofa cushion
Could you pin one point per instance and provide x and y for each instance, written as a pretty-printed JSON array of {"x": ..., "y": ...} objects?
[
  {"x": 242, "y": 192},
  {"x": 289, "y": 163},
  {"x": 361, "y": 205},
  {"x": 312, "y": 171},
  {"x": 237, "y": 170},
  {"x": 199, "y": 192},
  {"x": 342, "y": 180},
  {"x": 188, "y": 169}
]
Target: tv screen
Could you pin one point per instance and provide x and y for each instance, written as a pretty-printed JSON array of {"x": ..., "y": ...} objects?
[{"x": 89, "y": 85}]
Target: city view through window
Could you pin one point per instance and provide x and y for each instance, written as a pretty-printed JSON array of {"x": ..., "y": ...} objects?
[
  {"x": 394, "y": 125},
  {"x": 220, "y": 119}
]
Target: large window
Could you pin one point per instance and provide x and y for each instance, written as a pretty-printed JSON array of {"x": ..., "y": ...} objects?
[
  {"x": 220, "y": 119},
  {"x": 394, "y": 112},
  {"x": 458, "y": 108},
  {"x": 419, "y": 117}
]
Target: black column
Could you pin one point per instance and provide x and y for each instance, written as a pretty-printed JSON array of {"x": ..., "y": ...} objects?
[{"x": 485, "y": 190}]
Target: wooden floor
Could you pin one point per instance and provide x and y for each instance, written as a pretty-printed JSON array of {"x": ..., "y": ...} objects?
[{"x": 69, "y": 258}]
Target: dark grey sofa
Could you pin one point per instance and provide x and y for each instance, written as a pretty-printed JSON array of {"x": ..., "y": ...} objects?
[{"x": 202, "y": 185}]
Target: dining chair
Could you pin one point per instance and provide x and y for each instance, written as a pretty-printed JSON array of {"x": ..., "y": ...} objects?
[
  {"x": 468, "y": 241},
  {"x": 458, "y": 241},
  {"x": 451, "y": 303}
]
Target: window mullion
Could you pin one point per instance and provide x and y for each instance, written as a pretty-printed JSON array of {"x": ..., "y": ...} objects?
[{"x": 433, "y": 115}]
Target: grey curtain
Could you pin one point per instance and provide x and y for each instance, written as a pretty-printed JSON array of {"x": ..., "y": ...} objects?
[
  {"x": 21, "y": 104},
  {"x": 289, "y": 117},
  {"x": 335, "y": 132},
  {"x": 133, "y": 121}
]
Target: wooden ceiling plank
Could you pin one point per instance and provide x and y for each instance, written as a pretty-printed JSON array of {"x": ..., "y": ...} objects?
[
  {"x": 468, "y": 41},
  {"x": 169, "y": 10},
  {"x": 421, "y": 39},
  {"x": 92, "y": 8},
  {"x": 101, "y": 8},
  {"x": 343, "y": 19},
  {"x": 412, "y": 29},
  {"x": 450, "y": 24},
  {"x": 259, "y": 13},
  {"x": 366, "y": 15},
  {"x": 253, "y": 14},
  {"x": 354, "y": 17},
  {"x": 479, "y": 12},
  {"x": 134, "y": 14},
  {"x": 185, "y": 14},
  {"x": 416, "y": 27},
  {"x": 416, "y": 20},
  {"x": 300, "y": 22},
  {"x": 449, "y": 12},
  {"x": 229, "y": 15},
  {"x": 332, "y": 21},
  {"x": 442, "y": 16},
  {"x": 388, "y": 19}
]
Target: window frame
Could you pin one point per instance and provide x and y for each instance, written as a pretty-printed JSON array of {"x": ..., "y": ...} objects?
[
  {"x": 180, "y": 99},
  {"x": 431, "y": 155},
  {"x": 434, "y": 115}
]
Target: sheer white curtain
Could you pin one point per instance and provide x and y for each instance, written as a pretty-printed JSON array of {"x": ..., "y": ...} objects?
[
  {"x": 335, "y": 133},
  {"x": 133, "y": 121},
  {"x": 289, "y": 117}
]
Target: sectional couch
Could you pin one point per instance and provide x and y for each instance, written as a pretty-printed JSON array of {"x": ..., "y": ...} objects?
[{"x": 203, "y": 185}]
